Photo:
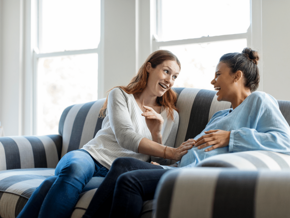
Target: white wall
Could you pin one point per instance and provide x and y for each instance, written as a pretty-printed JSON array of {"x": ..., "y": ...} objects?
[
  {"x": 120, "y": 42},
  {"x": 276, "y": 48},
  {"x": 1, "y": 86},
  {"x": 11, "y": 12},
  {"x": 126, "y": 40}
]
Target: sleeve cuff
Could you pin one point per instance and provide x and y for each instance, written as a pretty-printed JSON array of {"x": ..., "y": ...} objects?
[
  {"x": 231, "y": 142},
  {"x": 136, "y": 149}
]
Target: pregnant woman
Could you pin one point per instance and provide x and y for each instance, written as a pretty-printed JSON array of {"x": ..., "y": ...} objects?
[{"x": 253, "y": 123}]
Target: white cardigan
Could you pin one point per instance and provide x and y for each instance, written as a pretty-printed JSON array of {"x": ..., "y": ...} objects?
[{"x": 123, "y": 128}]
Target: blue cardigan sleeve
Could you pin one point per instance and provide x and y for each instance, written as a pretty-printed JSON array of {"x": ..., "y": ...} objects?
[{"x": 268, "y": 129}]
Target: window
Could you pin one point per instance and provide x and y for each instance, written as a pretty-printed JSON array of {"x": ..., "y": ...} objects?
[
  {"x": 199, "y": 33},
  {"x": 66, "y": 58}
]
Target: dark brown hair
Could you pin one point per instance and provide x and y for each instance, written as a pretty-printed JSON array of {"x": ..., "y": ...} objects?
[
  {"x": 139, "y": 82},
  {"x": 247, "y": 63}
]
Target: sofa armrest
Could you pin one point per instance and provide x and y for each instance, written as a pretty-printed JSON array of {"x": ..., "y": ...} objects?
[
  {"x": 220, "y": 192},
  {"x": 30, "y": 151},
  {"x": 249, "y": 160}
]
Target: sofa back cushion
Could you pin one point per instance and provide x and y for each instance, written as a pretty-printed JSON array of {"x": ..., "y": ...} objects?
[
  {"x": 79, "y": 124},
  {"x": 285, "y": 109},
  {"x": 196, "y": 107}
]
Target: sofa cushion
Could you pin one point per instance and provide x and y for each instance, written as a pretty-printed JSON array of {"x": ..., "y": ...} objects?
[
  {"x": 249, "y": 160},
  {"x": 87, "y": 196},
  {"x": 16, "y": 187},
  {"x": 79, "y": 124},
  {"x": 29, "y": 151},
  {"x": 196, "y": 107}
]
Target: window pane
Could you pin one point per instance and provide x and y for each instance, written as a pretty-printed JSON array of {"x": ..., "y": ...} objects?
[
  {"x": 198, "y": 61},
  {"x": 195, "y": 18},
  {"x": 69, "y": 25},
  {"x": 61, "y": 82}
]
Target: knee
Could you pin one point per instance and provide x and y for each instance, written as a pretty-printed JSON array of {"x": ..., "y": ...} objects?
[
  {"x": 46, "y": 184},
  {"x": 126, "y": 180},
  {"x": 123, "y": 162},
  {"x": 76, "y": 171}
]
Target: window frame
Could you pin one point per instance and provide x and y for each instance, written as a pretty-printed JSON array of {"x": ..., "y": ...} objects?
[
  {"x": 37, "y": 55},
  {"x": 157, "y": 43}
]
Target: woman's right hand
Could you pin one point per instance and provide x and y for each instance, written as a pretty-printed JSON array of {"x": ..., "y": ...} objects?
[
  {"x": 177, "y": 153},
  {"x": 154, "y": 120}
]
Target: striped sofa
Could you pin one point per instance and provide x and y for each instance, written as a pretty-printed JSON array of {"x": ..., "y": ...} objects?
[{"x": 25, "y": 161}]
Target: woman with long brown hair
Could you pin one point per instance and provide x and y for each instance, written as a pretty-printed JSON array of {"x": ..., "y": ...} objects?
[{"x": 141, "y": 120}]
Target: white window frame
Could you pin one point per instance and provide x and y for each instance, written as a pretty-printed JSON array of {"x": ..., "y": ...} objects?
[
  {"x": 253, "y": 34},
  {"x": 157, "y": 43},
  {"x": 37, "y": 55}
]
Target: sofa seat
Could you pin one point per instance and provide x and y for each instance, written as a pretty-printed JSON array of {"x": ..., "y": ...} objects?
[{"x": 16, "y": 187}]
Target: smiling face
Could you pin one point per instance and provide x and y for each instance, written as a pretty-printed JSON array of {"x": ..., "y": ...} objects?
[
  {"x": 224, "y": 83},
  {"x": 162, "y": 77}
]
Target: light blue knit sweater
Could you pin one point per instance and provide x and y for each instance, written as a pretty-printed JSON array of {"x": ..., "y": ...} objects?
[{"x": 256, "y": 124}]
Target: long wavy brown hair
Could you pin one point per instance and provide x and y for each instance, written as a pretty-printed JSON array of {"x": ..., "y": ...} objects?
[{"x": 139, "y": 82}]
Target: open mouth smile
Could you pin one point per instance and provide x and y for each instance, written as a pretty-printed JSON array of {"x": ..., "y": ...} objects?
[
  {"x": 217, "y": 89},
  {"x": 163, "y": 86}
]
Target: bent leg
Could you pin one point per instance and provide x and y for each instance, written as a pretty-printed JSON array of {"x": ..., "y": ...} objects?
[
  {"x": 73, "y": 172},
  {"x": 33, "y": 205},
  {"x": 101, "y": 202},
  {"x": 132, "y": 189}
]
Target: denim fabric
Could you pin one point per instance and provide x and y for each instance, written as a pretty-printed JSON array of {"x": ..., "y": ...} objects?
[
  {"x": 57, "y": 195},
  {"x": 100, "y": 205},
  {"x": 132, "y": 189}
]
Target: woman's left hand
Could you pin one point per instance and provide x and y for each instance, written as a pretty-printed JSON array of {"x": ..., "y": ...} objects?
[
  {"x": 217, "y": 138},
  {"x": 154, "y": 120}
]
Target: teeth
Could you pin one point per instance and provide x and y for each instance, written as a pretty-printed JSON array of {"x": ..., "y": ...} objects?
[
  {"x": 165, "y": 87},
  {"x": 217, "y": 88}
]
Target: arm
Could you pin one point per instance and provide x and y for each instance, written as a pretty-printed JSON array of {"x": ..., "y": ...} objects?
[
  {"x": 246, "y": 139},
  {"x": 149, "y": 147},
  {"x": 168, "y": 138},
  {"x": 154, "y": 123},
  {"x": 127, "y": 137},
  {"x": 169, "y": 133},
  {"x": 121, "y": 121},
  {"x": 264, "y": 128},
  {"x": 269, "y": 132}
]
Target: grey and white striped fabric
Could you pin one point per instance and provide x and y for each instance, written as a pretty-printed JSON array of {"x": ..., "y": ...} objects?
[
  {"x": 20, "y": 152},
  {"x": 79, "y": 124},
  {"x": 86, "y": 197},
  {"x": 16, "y": 186},
  {"x": 249, "y": 160},
  {"x": 196, "y": 107},
  {"x": 227, "y": 193}
]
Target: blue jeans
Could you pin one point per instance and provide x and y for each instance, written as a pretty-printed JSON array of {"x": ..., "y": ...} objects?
[
  {"x": 122, "y": 193},
  {"x": 57, "y": 195}
]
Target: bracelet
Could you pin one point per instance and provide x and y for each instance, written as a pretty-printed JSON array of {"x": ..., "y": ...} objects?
[{"x": 165, "y": 152}]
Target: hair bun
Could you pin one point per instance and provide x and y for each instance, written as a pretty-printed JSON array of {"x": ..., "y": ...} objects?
[{"x": 252, "y": 55}]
